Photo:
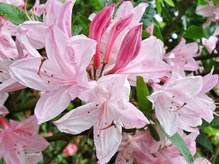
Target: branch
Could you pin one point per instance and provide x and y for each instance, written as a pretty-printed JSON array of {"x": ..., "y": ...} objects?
[
  {"x": 175, "y": 22},
  {"x": 205, "y": 57},
  {"x": 15, "y": 108},
  {"x": 64, "y": 136}
]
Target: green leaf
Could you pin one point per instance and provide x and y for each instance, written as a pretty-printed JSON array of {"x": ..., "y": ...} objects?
[
  {"x": 202, "y": 2},
  {"x": 216, "y": 2},
  {"x": 166, "y": 13},
  {"x": 145, "y": 34},
  {"x": 203, "y": 140},
  {"x": 214, "y": 122},
  {"x": 170, "y": 2},
  {"x": 193, "y": 32},
  {"x": 214, "y": 133},
  {"x": 142, "y": 92},
  {"x": 153, "y": 132},
  {"x": 85, "y": 30},
  {"x": 157, "y": 32},
  {"x": 179, "y": 143},
  {"x": 76, "y": 29},
  {"x": 158, "y": 5},
  {"x": 14, "y": 14}
]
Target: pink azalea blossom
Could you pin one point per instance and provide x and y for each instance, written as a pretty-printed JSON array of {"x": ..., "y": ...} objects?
[
  {"x": 182, "y": 102},
  {"x": 137, "y": 148},
  {"x": 169, "y": 154},
  {"x": 70, "y": 149},
  {"x": 20, "y": 138},
  {"x": 210, "y": 11},
  {"x": 181, "y": 57},
  {"x": 62, "y": 74},
  {"x": 142, "y": 148},
  {"x": 107, "y": 110},
  {"x": 210, "y": 43},
  {"x": 55, "y": 13},
  {"x": 113, "y": 31}
]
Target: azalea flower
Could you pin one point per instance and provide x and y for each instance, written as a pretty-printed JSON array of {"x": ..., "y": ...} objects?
[
  {"x": 107, "y": 110},
  {"x": 141, "y": 147},
  {"x": 19, "y": 141},
  {"x": 110, "y": 32},
  {"x": 210, "y": 11},
  {"x": 137, "y": 148},
  {"x": 181, "y": 102},
  {"x": 62, "y": 75},
  {"x": 70, "y": 149},
  {"x": 210, "y": 43},
  {"x": 54, "y": 13},
  {"x": 181, "y": 57}
]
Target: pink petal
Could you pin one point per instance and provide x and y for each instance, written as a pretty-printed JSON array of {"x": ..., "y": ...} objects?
[
  {"x": 64, "y": 18},
  {"x": 52, "y": 103},
  {"x": 97, "y": 28},
  {"x": 130, "y": 48},
  {"x": 114, "y": 32},
  {"x": 79, "y": 119},
  {"x": 131, "y": 117},
  {"x": 25, "y": 71},
  {"x": 107, "y": 142},
  {"x": 36, "y": 32}
]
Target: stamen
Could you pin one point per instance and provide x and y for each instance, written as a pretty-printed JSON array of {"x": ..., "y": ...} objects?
[{"x": 25, "y": 9}]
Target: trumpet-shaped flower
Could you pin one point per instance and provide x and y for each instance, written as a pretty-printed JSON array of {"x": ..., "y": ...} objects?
[
  {"x": 211, "y": 11},
  {"x": 20, "y": 138},
  {"x": 107, "y": 110},
  {"x": 210, "y": 43},
  {"x": 55, "y": 13},
  {"x": 182, "y": 102},
  {"x": 62, "y": 74},
  {"x": 181, "y": 57}
]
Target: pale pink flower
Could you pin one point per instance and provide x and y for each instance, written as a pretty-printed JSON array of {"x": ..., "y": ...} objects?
[
  {"x": 111, "y": 33},
  {"x": 210, "y": 43},
  {"x": 20, "y": 138},
  {"x": 181, "y": 57},
  {"x": 210, "y": 11},
  {"x": 181, "y": 102},
  {"x": 137, "y": 148},
  {"x": 63, "y": 75},
  {"x": 55, "y": 13},
  {"x": 107, "y": 110},
  {"x": 70, "y": 149},
  {"x": 169, "y": 154}
]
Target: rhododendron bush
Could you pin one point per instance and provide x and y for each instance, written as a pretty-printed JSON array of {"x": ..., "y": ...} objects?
[{"x": 114, "y": 81}]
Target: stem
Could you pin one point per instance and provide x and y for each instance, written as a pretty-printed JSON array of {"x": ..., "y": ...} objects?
[
  {"x": 30, "y": 105},
  {"x": 64, "y": 136},
  {"x": 175, "y": 22},
  {"x": 215, "y": 154},
  {"x": 205, "y": 57},
  {"x": 84, "y": 145}
]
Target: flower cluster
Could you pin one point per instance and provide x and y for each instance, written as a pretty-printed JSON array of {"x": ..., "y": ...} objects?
[{"x": 100, "y": 69}]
